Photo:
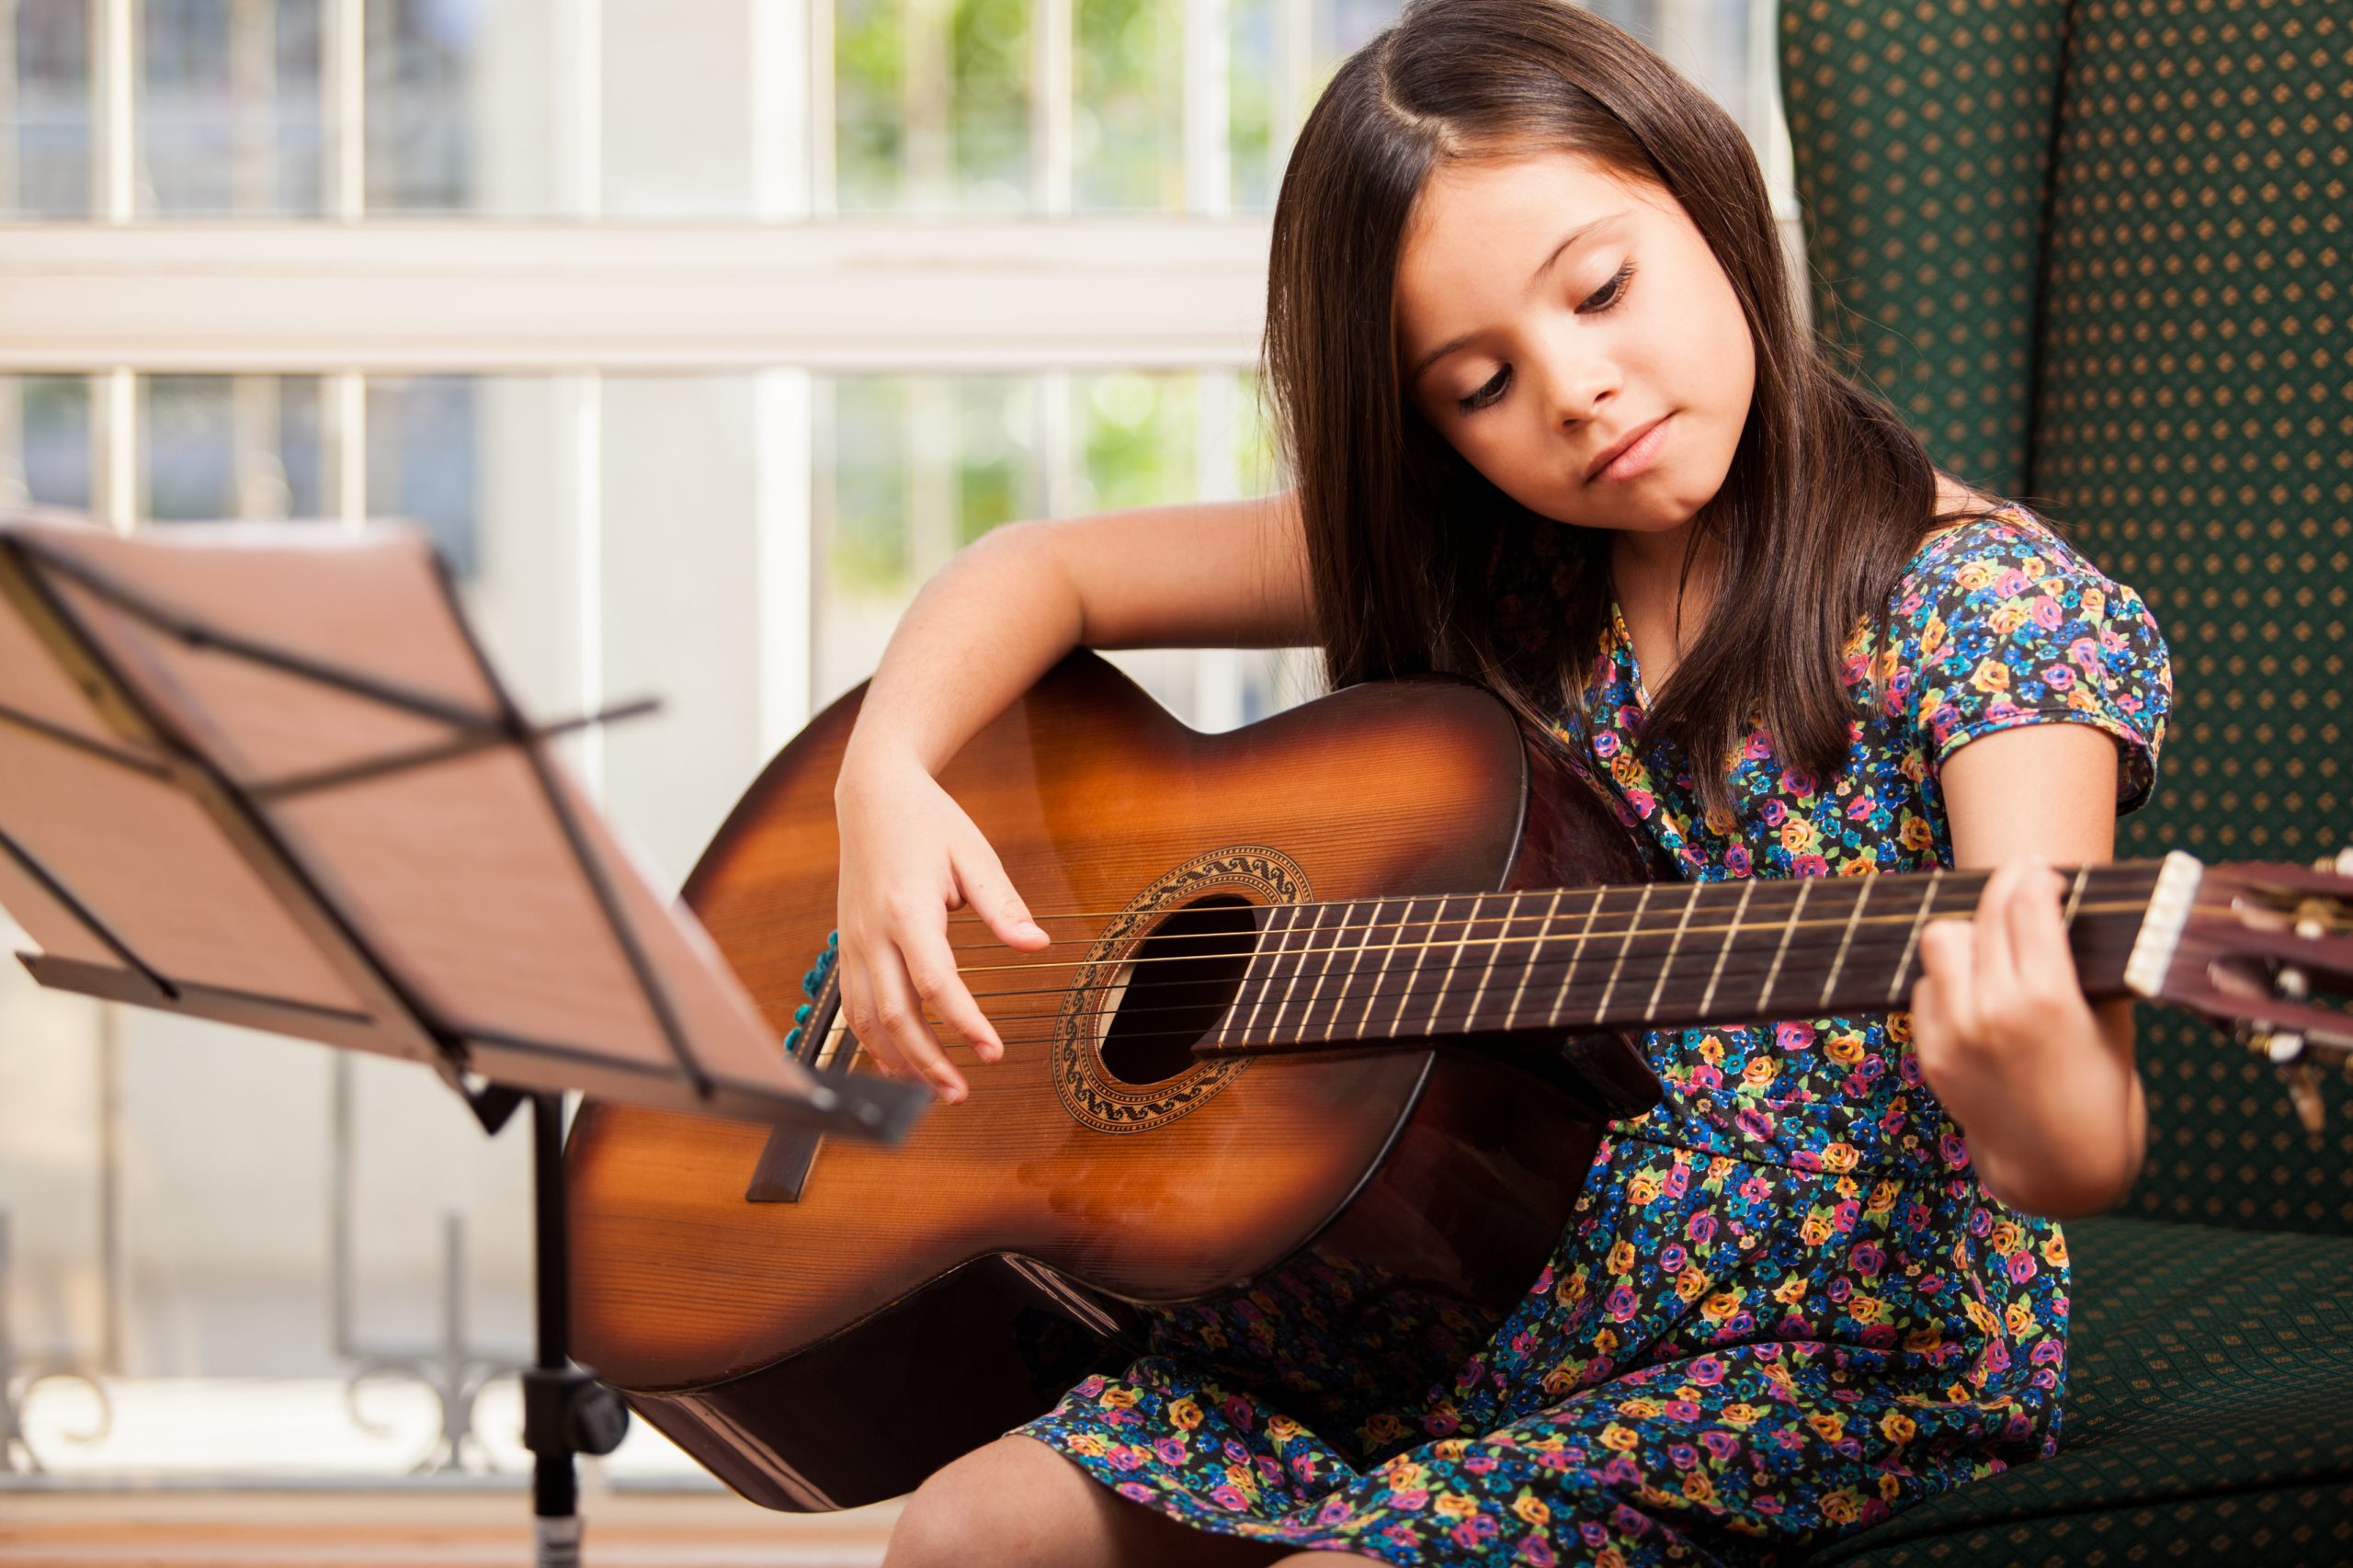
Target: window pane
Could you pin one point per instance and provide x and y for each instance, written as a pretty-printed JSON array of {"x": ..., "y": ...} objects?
[
  {"x": 228, "y": 107},
  {"x": 676, "y": 109},
  {"x": 1127, "y": 125},
  {"x": 460, "y": 105},
  {"x": 912, "y": 468},
  {"x": 680, "y": 606},
  {"x": 1255, "y": 39},
  {"x": 45, "y": 441},
  {"x": 45, "y": 109},
  {"x": 230, "y": 447},
  {"x": 424, "y": 461},
  {"x": 991, "y": 61},
  {"x": 932, "y": 105},
  {"x": 870, "y": 126}
]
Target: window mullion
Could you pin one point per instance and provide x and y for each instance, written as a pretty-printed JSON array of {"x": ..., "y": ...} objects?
[
  {"x": 1207, "y": 109},
  {"x": 1052, "y": 87},
  {"x": 792, "y": 108},
  {"x": 1217, "y": 476},
  {"x": 342, "y": 109},
  {"x": 114, "y": 65},
  {"x": 784, "y": 423}
]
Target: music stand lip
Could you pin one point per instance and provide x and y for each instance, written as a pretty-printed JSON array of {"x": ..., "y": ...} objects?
[{"x": 870, "y": 1107}]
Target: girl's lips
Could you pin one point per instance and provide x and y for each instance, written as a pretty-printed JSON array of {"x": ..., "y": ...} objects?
[{"x": 1638, "y": 456}]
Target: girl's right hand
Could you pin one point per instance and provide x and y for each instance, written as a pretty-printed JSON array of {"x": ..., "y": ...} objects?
[{"x": 909, "y": 855}]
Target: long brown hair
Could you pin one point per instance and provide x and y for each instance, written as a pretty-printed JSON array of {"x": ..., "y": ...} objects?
[{"x": 1828, "y": 493}]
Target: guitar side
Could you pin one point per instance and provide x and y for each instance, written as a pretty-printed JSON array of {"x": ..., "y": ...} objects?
[{"x": 915, "y": 1301}]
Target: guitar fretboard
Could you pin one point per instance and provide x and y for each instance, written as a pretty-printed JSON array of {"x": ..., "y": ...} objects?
[{"x": 1652, "y": 956}]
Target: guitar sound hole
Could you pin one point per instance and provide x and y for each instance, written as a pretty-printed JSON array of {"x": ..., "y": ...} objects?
[{"x": 1179, "y": 983}]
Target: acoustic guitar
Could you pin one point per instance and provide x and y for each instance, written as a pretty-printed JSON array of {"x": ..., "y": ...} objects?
[{"x": 1350, "y": 988}]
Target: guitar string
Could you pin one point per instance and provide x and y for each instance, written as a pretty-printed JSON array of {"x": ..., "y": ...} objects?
[
  {"x": 1568, "y": 913},
  {"x": 1874, "y": 943},
  {"x": 1239, "y": 943},
  {"x": 1974, "y": 876},
  {"x": 1957, "y": 886},
  {"x": 1638, "y": 969},
  {"x": 1406, "y": 983}
]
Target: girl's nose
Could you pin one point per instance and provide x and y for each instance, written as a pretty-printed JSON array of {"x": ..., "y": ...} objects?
[{"x": 1578, "y": 385}]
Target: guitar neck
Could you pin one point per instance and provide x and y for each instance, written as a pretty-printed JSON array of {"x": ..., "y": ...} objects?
[{"x": 1652, "y": 956}]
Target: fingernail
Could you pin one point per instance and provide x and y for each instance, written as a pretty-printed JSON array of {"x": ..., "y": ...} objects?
[{"x": 1031, "y": 929}]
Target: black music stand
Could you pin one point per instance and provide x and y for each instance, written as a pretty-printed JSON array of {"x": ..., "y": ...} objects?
[{"x": 265, "y": 775}]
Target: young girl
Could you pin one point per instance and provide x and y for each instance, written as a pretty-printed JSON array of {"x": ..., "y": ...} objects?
[{"x": 1554, "y": 424}]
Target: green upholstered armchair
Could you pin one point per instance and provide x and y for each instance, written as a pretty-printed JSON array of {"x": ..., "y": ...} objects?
[{"x": 2099, "y": 252}]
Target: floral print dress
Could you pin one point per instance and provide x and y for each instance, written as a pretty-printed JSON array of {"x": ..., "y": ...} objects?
[{"x": 1785, "y": 1307}]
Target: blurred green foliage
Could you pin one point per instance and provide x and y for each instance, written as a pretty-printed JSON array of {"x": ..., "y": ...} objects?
[
  {"x": 1127, "y": 122},
  {"x": 990, "y": 48}
]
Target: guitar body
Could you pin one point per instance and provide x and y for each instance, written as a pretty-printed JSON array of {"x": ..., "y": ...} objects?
[{"x": 915, "y": 1301}]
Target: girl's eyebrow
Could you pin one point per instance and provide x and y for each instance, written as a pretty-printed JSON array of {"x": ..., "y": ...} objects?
[{"x": 1571, "y": 237}]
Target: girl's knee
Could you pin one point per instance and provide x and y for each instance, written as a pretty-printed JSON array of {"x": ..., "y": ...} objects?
[{"x": 1014, "y": 1502}]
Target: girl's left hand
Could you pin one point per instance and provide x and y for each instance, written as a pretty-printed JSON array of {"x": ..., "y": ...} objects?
[{"x": 2007, "y": 1042}]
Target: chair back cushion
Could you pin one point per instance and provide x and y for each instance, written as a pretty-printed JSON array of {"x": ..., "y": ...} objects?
[{"x": 2097, "y": 253}]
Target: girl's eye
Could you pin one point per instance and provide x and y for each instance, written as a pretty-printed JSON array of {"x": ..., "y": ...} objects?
[
  {"x": 1615, "y": 289},
  {"x": 1485, "y": 394},
  {"x": 1606, "y": 298}
]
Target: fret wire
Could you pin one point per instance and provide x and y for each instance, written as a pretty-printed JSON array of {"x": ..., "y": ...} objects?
[
  {"x": 1875, "y": 937},
  {"x": 2128, "y": 898},
  {"x": 1912, "y": 942},
  {"x": 1690, "y": 903},
  {"x": 1797, "y": 914},
  {"x": 1880, "y": 942},
  {"x": 1371, "y": 922},
  {"x": 1307, "y": 944},
  {"x": 1387, "y": 954},
  {"x": 1840, "y": 962},
  {"x": 2075, "y": 897},
  {"x": 1290, "y": 929},
  {"x": 1271, "y": 954},
  {"x": 1625, "y": 946},
  {"x": 1503, "y": 929},
  {"x": 1267, "y": 950},
  {"x": 1535, "y": 953},
  {"x": 1892, "y": 924},
  {"x": 1576, "y": 956},
  {"x": 1708, "y": 999},
  {"x": 1422, "y": 951},
  {"x": 1446, "y": 970},
  {"x": 2132, "y": 897},
  {"x": 1868, "y": 936},
  {"x": 1456, "y": 1018},
  {"x": 2130, "y": 874},
  {"x": 1322, "y": 971},
  {"x": 1860, "y": 932}
]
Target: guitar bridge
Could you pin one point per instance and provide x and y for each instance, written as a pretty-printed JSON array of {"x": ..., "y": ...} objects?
[{"x": 820, "y": 1041}]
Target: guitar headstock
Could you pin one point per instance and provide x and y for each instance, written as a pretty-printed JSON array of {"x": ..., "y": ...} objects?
[{"x": 2265, "y": 950}]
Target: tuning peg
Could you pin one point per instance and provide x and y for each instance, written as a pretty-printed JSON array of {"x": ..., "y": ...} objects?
[
  {"x": 2303, "y": 1093},
  {"x": 2281, "y": 1048}
]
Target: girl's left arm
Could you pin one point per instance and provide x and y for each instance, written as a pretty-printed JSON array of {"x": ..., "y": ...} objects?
[{"x": 2040, "y": 1080}]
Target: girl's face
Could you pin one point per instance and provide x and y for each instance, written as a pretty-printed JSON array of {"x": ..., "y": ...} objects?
[{"x": 1546, "y": 312}]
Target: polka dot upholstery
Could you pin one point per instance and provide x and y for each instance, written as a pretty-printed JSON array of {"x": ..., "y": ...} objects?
[
  {"x": 2191, "y": 1432},
  {"x": 2096, "y": 251}
]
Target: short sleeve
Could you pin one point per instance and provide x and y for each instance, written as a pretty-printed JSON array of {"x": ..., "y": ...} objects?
[{"x": 2010, "y": 626}]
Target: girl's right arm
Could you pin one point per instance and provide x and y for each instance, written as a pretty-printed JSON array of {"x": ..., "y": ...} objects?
[{"x": 981, "y": 633}]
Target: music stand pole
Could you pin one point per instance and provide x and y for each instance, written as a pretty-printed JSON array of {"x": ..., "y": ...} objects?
[{"x": 565, "y": 1410}]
